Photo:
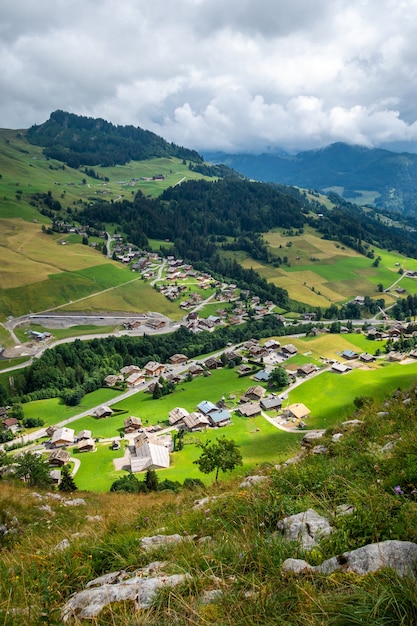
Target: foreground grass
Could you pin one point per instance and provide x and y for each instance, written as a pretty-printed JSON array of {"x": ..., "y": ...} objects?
[{"x": 242, "y": 560}]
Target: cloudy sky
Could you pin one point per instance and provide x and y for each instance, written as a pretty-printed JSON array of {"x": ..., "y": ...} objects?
[{"x": 233, "y": 75}]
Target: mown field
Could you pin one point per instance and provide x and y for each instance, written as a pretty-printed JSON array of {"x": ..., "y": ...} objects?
[{"x": 322, "y": 272}]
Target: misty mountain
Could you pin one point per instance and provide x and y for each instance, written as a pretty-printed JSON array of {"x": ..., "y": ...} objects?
[{"x": 374, "y": 176}]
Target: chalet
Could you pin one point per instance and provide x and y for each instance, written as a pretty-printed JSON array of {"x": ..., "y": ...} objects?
[
  {"x": 255, "y": 393},
  {"x": 289, "y": 350},
  {"x": 178, "y": 359},
  {"x": 196, "y": 421},
  {"x": 233, "y": 356},
  {"x": 235, "y": 319},
  {"x": 62, "y": 437},
  {"x": 374, "y": 333},
  {"x": 413, "y": 354},
  {"x": 349, "y": 355},
  {"x": 262, "y": 376},
  {"x": 219, "y": 418},
  {"x": 340, "y": 368},
  {"x": 10, "y": 423},
  {"x": 135, "y": 380},
  {"x": 84, "y": 434},
  {"x": 207, "y": 407},
  {"x": 177, "y": 415},
  {"x": 249, "y": 409},
  {"x": 55, "y": 476},
  {"x": 86, "y": 445},
  {"x": 151, "y": 388},
  {"x": 103, "y": 411},
  {"x": 271, "y": 403},
  {"x": 151, "y": 452},
  {"x": 306, "y": 369},
  {"x": 155, "y": 324},
  {"x": 112, "y": 379},
  {"x": 152, "y": 368},
  {"x": 366, "y": 358},
  {"x": 257, "y": 351},
  {"x": 297, "y": 411},
  {"x": 132, "y": 424},
  {"x": 59, "y": 457},
  {"x": 212, "y": 363},
  {"x": 396, "y": 356},
  {"x": 272, "y": 344},
  {"x": 196, "y": 370},
  {"x": 244, "y": 369}
]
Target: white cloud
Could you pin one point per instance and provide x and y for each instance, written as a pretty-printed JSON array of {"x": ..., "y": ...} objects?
[{"x": 210, "y": 74}]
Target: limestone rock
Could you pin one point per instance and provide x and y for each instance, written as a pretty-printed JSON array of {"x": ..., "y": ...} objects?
[
  {"x": 320, "y": 450},
  {"x": 352, "y": 423},
  {"x": 250, "y": 481},
  {"x": 337, "y": 437},
  {"x": 307, "y": 527},
  {"x": 149, "y": 543},
  {"x": 400, "y": 556},
  {"x": 62, "y": 545},
  {"x": 74, "y": 502},
  {"x": 88, "y": 603},
  {"x": 312, "y": 436}
]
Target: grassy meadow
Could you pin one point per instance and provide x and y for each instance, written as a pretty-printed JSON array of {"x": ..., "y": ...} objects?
[{"x": 322, "y": 272}]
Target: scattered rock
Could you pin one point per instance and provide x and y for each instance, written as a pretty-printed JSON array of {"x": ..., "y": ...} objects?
[
  {"x": 46, "y": 508},
  {"x": 407, "y": 401},
  {"x": 210, "y": 596},
  {"x": 75, "y": 502},
  {"x": 382, "y": 414},
  {"x": 400, "y": 556},
  {"x": 250, "y": 481},
  {"x": 94, "y": 518},
  {"x": 308, "y": 527},
  {"x": 311, "y": 436},
  {"x": 149, "y": 543},
  {"x": 337, "y": 437},
  {"x": 3, "y": 530},
  {"x": 352, "y": 423},
  {"x": 202, "y": 504},
  {"x": 389, "y": 446},
  {"x": 344, "y": 509},
  {"x": 62, "y": 545},
  {"x": 319, "y": 450},
  {"x": 88, "y": 603}
]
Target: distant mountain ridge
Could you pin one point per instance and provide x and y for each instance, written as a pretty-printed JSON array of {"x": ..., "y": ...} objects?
[{"x": 391, "y": 176}]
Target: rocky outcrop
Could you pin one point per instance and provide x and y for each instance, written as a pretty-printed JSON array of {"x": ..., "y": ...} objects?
[
  {"x": 140, "y": 589},
  {"x": 307, "y": 527},
  {"x": 400, "y": 556}
]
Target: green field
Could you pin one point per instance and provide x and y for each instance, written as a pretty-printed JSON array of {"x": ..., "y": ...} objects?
[
  {"x": 52, "y": 411},
  {"x": 330, "y": 396},
  {"x": 320, "y": 272}
]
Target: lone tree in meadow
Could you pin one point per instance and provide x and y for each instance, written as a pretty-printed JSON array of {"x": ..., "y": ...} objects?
[{"x": 222, "y": 454}]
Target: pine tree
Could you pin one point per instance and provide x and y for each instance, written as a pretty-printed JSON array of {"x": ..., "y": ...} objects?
[
  {"x": 67, "y": 482},
  {"x": 151, "y": 480}
]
